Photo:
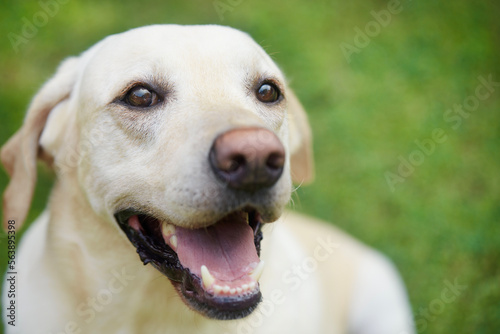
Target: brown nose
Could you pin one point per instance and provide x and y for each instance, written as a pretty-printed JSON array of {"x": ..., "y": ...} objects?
[{"x": 248, "y": 158}]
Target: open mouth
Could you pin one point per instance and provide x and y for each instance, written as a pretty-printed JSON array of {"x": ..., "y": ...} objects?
[{"x": 214, "y": 269}]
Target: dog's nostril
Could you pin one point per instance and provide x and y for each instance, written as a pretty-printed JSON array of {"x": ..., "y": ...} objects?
[
  {"x": 235, "y": 163},
  {"x": 275, "y": 161}
]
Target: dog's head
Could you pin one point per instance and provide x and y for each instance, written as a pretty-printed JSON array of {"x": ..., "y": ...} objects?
[{"x": 187, "y": 139}]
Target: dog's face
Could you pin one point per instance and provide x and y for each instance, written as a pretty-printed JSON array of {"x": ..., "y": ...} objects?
[
  {"x": 200, "y": 82},
  {"x": 182, "y": 141}
]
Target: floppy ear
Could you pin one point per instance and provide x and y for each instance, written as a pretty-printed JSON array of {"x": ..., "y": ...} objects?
[
  {"x": 19, "y": 155},
  {"x": 302, "y": 162}
]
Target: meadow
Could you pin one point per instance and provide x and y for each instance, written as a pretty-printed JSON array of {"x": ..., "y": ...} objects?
[{"x": 404, "y": 101}]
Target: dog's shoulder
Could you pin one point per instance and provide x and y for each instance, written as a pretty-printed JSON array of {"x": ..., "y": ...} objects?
[
  {"x": 361, "y": 286},
  {"x": 323, "y": 240}
]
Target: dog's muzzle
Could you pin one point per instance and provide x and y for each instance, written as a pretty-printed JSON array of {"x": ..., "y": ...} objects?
[{"x": 216, "y": 268}]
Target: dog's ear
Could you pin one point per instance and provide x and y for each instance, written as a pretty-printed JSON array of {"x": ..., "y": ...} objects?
[
  {"x": 19, "y": 155},
  {"x": 301, "y": 160}
]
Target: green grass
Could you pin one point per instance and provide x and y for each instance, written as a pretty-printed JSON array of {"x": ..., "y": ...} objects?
[{"x": 441, "y": 223}]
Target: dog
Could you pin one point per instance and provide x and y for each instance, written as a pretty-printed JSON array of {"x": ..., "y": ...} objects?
[{"x": 175, "y": 149}]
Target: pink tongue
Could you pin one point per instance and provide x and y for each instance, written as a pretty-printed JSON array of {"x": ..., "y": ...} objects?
[{"x": 226, "y": 248}]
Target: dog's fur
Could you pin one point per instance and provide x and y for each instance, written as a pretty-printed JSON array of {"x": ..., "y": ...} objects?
[{"x": 78, "y": 272}]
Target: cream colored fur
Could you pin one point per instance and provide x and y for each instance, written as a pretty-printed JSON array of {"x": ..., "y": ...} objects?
[{"x": 80, "y": 274}]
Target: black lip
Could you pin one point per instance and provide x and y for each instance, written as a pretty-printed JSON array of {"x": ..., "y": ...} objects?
[{"x": 152, "y": 249}]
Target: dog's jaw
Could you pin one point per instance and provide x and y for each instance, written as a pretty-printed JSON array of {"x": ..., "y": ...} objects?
[{"x": 229, "y": 247}]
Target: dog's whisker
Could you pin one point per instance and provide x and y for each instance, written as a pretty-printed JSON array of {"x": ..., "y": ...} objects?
[{"x": 297, "y": 187}]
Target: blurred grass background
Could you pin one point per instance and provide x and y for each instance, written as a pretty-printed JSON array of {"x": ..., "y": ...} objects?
[{"x": 443, "y": 222}]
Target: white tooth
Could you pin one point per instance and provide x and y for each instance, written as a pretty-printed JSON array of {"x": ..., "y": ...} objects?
[
  {"x": 257, "y": 272},
  {"x": 167, "y": 229},
  {"x": 239, "y": 290},
  {"x": 252, "y": 285},
  {"x": 173, "y": 242},
  {"x": 206, "y": 277},
  {"x": 232, "y": 291},
  {"x": 226, "y": 288},
  {"x": 217, "y": 288},
  {"x": 244, "y": 287}
]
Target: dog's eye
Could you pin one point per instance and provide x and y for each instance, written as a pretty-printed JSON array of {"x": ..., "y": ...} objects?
[
  {"x": 141, "y": 97},
  {"x": 268, "y": 93}
]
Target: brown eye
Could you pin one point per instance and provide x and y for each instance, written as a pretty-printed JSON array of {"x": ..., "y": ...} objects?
[
  {"x": 141, "y": 97},
  {"x": 268, "y": 93}
]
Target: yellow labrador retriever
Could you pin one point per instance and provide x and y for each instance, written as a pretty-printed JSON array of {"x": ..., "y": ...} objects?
[{"x": 175, "y": 148}]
